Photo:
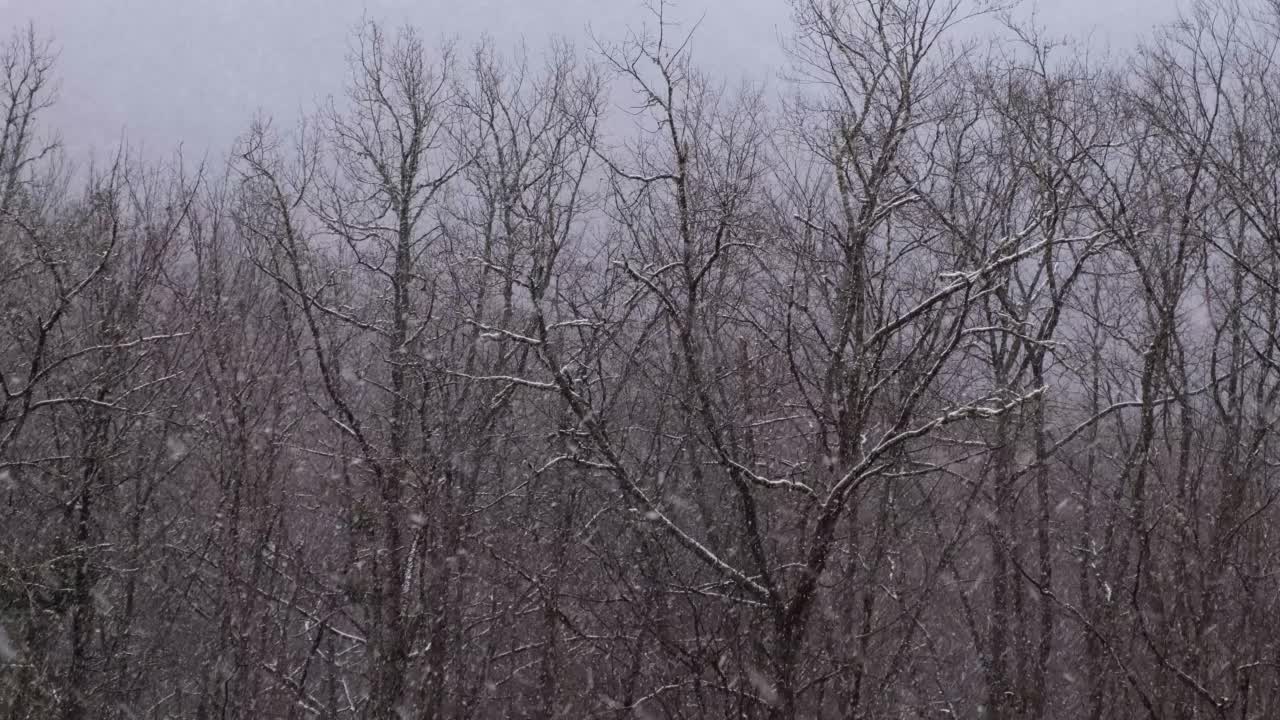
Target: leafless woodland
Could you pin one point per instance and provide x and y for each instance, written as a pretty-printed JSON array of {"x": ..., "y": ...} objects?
[{"x": 937, "y": 378}]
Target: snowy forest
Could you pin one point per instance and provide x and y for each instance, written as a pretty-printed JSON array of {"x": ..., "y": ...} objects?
[{"x": 936, "y": 377}]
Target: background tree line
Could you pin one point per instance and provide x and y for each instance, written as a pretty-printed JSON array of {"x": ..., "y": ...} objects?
[{"x": 939, "y": 381}]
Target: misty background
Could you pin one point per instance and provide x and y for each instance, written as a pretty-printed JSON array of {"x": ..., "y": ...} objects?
[{"x": 159, "y": 73}]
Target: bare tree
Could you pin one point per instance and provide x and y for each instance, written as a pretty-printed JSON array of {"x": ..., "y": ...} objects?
[{"x": 507, "y": 384}]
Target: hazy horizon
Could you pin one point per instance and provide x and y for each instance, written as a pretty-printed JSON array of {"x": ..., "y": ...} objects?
[{"x": 133, "y": 71}]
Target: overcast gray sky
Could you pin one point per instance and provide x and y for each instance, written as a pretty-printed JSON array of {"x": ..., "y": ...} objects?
[{"x": 160, "y": 72}]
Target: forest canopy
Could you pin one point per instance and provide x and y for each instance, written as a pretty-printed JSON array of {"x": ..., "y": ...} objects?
[{"x": 936, "y": 379}]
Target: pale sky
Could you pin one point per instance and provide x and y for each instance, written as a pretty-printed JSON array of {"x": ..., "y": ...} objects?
[{"x": 160, "y": 72}]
